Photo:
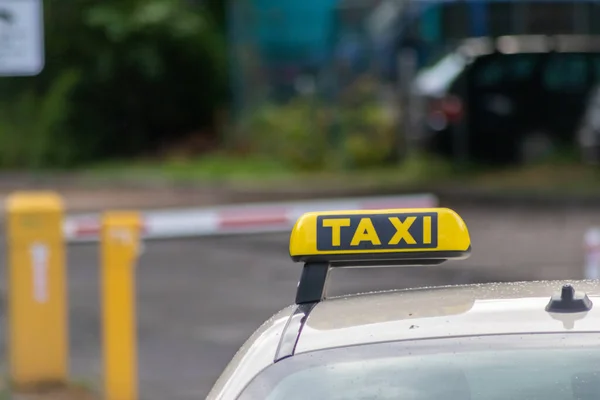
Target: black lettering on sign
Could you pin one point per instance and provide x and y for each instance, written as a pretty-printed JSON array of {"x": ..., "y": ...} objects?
[{"x": 377, "y": 231}]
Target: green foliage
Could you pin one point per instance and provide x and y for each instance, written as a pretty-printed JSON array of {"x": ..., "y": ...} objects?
[
  {"x": 150, "y": 71},
  {"x": 295, "y": 132},
  {"x": 311, "y": 135},
  {"x": 32, "y": 127},
  {"x": 308, "y": 133},
  {"x": 369, "y": 135}
]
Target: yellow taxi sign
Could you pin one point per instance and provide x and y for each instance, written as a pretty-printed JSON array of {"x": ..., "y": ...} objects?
[{"x": 386, "y": 237}]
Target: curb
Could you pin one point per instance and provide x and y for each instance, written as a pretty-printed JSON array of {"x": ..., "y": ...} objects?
[
  {"x": 250, "y": 218},
  {"x": 147, "y": 196},
  {"x": 522, "y": 199},
  {"x": 448, "y": 196}
]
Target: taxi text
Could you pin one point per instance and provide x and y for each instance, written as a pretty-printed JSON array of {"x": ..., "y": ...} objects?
[{"x": 377, "y": 231}]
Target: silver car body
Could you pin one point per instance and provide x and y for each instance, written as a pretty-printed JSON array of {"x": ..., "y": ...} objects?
[{"x": 435, "y": 312}]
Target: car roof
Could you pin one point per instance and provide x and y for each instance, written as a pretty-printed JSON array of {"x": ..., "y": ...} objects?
[
  {"x": 477, "y": 309},
  {"x": 435, "y": 80},
  {"x": 430, "y": 312}
]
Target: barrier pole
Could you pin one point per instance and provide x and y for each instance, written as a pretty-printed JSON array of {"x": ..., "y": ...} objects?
[
  {"x": 37, "y": 292},
  {"x": 120, "y": 243}
]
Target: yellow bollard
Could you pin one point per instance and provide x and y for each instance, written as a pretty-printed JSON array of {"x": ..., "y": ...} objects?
[
  {"x": 37, "y": 290},
  {"x": 120, "y": 250}
]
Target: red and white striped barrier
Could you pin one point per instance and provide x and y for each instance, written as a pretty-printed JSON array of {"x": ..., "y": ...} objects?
[{"x": 238, "y": 219}]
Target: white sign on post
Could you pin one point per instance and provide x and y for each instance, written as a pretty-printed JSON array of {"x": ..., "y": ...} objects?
[
  {"x": 21, "y": 37},
  {"x": 39, "y": 264},
  {"x": 592, "y": 254}
]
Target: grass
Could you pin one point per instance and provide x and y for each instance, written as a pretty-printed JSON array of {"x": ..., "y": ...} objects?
[
  {"x": 213, "y": 167},
  {"x": 542, "y": 178},
  {"x": 552, "y": 176},
  {"x": 244, "y": 171}
]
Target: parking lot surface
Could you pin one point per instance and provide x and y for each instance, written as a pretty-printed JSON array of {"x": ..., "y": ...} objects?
[{"x": 199, "y": 299}]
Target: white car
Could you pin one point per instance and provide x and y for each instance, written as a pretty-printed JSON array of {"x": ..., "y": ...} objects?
[{"x": 518, "y": 341}]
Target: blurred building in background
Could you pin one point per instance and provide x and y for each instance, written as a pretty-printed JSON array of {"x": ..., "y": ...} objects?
[
  {"x": 330, "y": 49},
  {"x": 297, "y": 37},
  {"x": 275, "y": 44}
]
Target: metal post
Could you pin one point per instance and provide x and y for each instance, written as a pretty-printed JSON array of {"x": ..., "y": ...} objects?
[
  {"x": 520, "y": 18},
  {"x": 408, "y": 132},
  {"x": 581, "y": 21},
  {"x": 312, "y": 287},
  {"x": 120, "y": 250},
  {"x": 37, "y": 299}
]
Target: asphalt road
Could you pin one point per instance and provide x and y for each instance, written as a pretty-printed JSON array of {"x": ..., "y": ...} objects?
[{"x": 199, "y": 299}]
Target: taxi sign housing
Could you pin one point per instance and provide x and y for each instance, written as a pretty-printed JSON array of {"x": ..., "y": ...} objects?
[
  {"x": 388, "y": 237},
  {"x": 396, "y": 237}
]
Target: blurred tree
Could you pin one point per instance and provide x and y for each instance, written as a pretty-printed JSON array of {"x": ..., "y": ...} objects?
[
  {"x": 164, "y": 59},
  {"x": 218, "y": 8},
  {"x": 151, "y": 72}
]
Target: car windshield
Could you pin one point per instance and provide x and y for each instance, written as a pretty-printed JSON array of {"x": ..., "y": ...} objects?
[{"x": 524, "y": 367}]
